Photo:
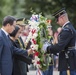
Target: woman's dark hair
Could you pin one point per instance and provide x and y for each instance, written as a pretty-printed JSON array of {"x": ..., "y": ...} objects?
[
  {"x": 13, "y": 34},
  {"x": 8, "y": 19}
]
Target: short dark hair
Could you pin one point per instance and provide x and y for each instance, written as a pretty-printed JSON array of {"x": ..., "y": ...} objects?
[
  {"x": 13, "y": 34},
  {"x": 8, "y": 19}
]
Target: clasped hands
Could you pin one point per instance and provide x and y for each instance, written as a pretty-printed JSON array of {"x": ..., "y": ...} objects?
[
  {"x": 44, "y": 48},
  {"x": 30, "y": 51}
]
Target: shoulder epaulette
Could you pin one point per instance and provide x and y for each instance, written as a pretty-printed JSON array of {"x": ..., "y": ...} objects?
[{"x": 67, "y": 28}]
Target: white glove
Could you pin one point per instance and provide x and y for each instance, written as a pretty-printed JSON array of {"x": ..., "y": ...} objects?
[{"x": 45, "y": 45}]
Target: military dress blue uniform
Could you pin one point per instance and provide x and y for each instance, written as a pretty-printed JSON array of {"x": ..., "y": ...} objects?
[
  {"x": 65, "y": 47},
  {"x": 66, "y": 44}
]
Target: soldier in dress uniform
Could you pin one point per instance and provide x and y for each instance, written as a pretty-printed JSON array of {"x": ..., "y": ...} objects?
[{"x": 66, "y": 44}]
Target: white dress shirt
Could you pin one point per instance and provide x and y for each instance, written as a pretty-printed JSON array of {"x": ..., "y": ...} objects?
[
  {"x": 65, "y": 23},
  {"x": 4, "y": 31}
]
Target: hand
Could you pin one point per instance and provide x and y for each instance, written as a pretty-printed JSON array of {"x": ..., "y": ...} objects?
[
  {"x": 45, "y": 45},
  {"x": 30, "y": 51},
  {"x": 33, "y": 61}
]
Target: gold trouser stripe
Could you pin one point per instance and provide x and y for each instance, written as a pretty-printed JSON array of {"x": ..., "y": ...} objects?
[{"x": 68, "y": 72}]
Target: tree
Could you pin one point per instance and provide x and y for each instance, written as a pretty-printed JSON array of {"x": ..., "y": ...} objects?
[{"x": 22, "y": 8}]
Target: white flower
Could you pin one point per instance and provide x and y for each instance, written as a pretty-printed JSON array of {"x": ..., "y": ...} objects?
[
  {"x": 30, "y": 34},
  {"x": 34, "y": 35},
  {"x": 34, "y": 46},
  {"x": 35, "y": 63},
  {"x": 36, "y": 60},
  {"x": 38, "y": 66},
  {"x": 33, "y": 23},
  {"x": 29, "y": 37}
]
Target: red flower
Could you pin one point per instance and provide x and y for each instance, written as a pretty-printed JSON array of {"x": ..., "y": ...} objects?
[
  {"x": 38, "y": 62},
  {"x": 24, "y": 34},
  {"x": 33, "y": 31},
  {"x": 49, "y": 21},
  {"x": 36, "y": 54},
  {"x": 34, "y": 41}
]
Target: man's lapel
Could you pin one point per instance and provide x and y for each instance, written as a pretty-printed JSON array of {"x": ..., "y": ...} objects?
[{"x": 6, "y": 39}]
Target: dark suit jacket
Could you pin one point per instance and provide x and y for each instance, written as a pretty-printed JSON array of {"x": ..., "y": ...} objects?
[
  {"x": 18, "y": 43},
  {"x": 21, "y": 57},
  {"x": 19, "y": 63},
  {"x": 23, "y": 46},
  {"x": 6, "y": 54}
]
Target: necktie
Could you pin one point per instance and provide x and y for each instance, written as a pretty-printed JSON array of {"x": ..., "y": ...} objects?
[
  {"x": 9, "y": 43},
  {"x": 8, "y": 36}
]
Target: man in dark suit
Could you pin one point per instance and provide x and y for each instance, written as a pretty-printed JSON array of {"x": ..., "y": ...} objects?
[
  {"x": 6, "y": 48},
  {"x": 66, "y": 44}
]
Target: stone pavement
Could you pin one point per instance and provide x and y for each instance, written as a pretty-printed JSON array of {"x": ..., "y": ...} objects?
[{"x": 33, "y": 72}]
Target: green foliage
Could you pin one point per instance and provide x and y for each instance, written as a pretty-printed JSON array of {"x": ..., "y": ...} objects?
[
  {"x": 21, "y": 8},
  {"x": 42, "y": 36}
]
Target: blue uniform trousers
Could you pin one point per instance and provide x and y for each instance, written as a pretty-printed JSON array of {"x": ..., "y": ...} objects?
[
  {"x": 49, "y": 71},
  {"x": 65, "y": 72}
]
